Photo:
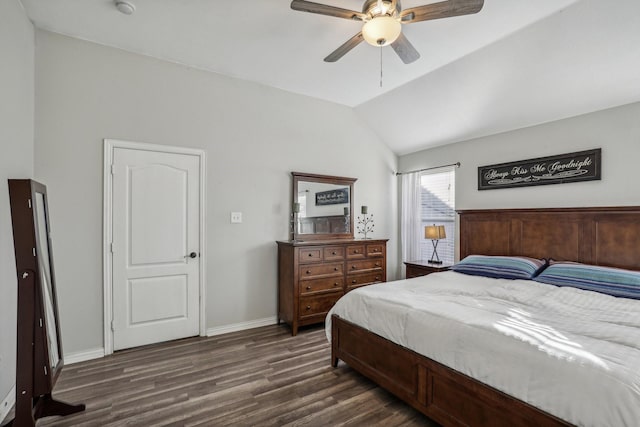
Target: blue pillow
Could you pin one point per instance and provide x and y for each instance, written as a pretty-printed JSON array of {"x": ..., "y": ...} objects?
[
  {"x": 606, "y": 280},
  {"x": 500, "y": 267}
]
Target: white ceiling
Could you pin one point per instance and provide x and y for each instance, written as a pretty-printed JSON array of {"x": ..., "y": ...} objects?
[{"x": 514, "y": 64}]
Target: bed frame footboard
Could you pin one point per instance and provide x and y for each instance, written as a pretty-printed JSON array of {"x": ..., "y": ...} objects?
[{"x": 445, "y": 395}]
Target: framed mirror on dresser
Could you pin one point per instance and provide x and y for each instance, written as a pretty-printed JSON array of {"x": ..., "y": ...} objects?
[
  {"x": 39, "y": 359},
  {"x": 323, "y": 261},
  {"x": 322, "y": 207}
]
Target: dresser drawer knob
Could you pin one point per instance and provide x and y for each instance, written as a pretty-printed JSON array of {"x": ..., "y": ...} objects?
[
  {"x": 333, "y": 253},
  {"x": 375, "y": 250},
  {"x": 353, "y": 267},
  {"x": 308, "y": 288},
  {"x": 336, "y": 284},
  {"x": 310, "y": 254},
  {"x": 377, "y": 277},
  {"x": 377, "y": 264},
  {"x": 308, "y": 307},
  {"x": 354, "y": 281},
  {"x": 355, "y": 251},
  {"x": 335, "y": 268},
  {"x": 308, "y": 271}
]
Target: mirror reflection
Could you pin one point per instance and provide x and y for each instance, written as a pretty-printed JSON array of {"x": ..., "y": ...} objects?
[
  {"x": 45, "y": 279},
  {"x": 322, "y": 206}
]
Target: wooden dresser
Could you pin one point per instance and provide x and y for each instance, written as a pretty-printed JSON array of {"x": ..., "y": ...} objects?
[{"x": 313, "y": 275}]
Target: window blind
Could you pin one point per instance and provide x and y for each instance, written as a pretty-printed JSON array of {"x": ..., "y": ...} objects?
[{"x": 437, "y": 190}]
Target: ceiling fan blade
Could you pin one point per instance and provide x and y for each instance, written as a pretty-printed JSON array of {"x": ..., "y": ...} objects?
[
  {"x": 346, "y": 47},
  {"x": 323, "y": 9},
  {"x": 405, "y": 49},
  {"x": 393, "y": 6},
  {"x": 444, "y": 9}
]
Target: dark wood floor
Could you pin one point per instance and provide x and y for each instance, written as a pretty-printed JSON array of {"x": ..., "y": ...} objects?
[{"x": 259, "y": 377}]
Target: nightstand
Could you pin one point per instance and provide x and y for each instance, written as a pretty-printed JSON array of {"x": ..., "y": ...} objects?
[{"x": 422, "y": 268}]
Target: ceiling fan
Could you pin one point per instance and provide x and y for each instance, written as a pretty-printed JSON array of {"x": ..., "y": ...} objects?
[{"x": 382, "y": 21}]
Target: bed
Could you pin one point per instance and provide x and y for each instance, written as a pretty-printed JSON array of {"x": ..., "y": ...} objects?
[{"x": 446, "y": 389}]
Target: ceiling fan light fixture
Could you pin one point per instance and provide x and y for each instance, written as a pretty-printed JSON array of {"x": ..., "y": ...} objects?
[{"x": 381, "y": 30}]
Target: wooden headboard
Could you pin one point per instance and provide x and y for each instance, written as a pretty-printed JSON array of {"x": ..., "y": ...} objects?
[{"x": 608, "y": 236}]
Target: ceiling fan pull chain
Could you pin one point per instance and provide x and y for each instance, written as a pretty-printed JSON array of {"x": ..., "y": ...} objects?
[{"x": 380, "y": 65}]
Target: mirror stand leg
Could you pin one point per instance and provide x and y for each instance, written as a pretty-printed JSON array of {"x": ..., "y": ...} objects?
[{"x": 48, "y": 406}]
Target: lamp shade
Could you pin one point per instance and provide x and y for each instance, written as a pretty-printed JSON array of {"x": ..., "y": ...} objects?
[
  {"x": 434, "y": 232},
  {"x": 381, "y": 30}
]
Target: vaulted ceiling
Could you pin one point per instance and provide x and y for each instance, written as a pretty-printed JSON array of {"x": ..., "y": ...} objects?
[{"x": 514, "y": 64}]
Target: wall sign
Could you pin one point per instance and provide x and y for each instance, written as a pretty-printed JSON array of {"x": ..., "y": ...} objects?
[
  {"x": 560, "y": 169},
  {"x": 332, "y": 197}
]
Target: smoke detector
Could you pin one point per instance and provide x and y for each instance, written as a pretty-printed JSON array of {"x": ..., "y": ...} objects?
[{"x": 125, "y": 7}]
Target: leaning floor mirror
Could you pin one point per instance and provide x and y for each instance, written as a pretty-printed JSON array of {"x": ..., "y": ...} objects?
[{"x": 39, "y": 346}]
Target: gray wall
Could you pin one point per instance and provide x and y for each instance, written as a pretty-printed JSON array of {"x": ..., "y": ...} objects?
[
  {"x": 254, "y": 136},
  {"x": 615, "y": 130},
  {"x": 543, "y": 72},
  {"x": 16, "y": 161}
]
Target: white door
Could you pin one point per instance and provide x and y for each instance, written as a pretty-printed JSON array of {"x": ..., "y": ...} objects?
[{"x": 156, "y": 246}]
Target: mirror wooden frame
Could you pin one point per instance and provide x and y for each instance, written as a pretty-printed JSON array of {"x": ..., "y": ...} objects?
[
  {"x": 326, "y": 179},
  {"x": 39, "y": 359}
]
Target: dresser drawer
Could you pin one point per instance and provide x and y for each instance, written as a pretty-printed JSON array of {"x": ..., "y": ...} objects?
[
  {"x": 310, "y": 255},
  {"x": 364, "y": 265},
  {"x": 319, "y": 285},
  {"x": 376, "y": 250},
  {"x": 321, "y": 270},
  {"x": 355, "y": 251},
  {"x": 318, "y": 305},
  {"x": 357, "y": 280},
  {"x": 333, "y": 253}
]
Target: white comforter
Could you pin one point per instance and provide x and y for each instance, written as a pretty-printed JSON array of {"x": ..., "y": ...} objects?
[{"x": 572, "y": 353}]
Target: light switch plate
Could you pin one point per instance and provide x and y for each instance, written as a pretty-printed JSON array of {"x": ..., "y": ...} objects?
[{"x": 236, "y": 217}]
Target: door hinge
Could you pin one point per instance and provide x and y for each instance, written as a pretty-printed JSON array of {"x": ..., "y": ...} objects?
[
  {"x": 113, "y": 329},
  {"x": 112, "y": 168},
  {"x": 111, "y": 247},
  {"x": 29, "y": 203}
]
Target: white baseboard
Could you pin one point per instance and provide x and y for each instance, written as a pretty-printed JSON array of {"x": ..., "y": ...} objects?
[
  {"x": 97, "y": 353},
  {"x": 219, "y": 330},
  {"x": 7, "y": 403},
  {"x": 83, "y": 356}
]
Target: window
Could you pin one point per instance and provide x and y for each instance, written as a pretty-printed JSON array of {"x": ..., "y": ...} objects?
[
  {"x": 302, "y": 201},
  {"x": 437, "y": 206}
]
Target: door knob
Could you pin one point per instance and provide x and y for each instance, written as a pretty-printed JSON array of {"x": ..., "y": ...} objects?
[{"x": 192, "y": 255}]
